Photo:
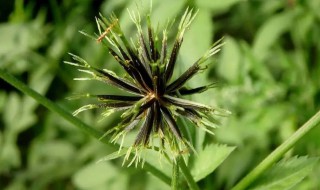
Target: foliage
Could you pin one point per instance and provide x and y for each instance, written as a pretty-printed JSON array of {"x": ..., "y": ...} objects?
[
  {"x": 268, "y": 69},
  {"x": 285, "y": 174}
]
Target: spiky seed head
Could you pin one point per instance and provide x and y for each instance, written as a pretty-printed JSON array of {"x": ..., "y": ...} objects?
[{"x": 154, "y": 100}]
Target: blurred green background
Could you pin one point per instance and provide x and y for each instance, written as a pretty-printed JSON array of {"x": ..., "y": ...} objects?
[{"x": 269, "y": 71}]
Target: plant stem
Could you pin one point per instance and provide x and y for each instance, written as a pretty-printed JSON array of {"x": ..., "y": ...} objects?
[
  {"x": 184, "y": 169},
  {"x": 186, "y": 172},
  {"x": 277, "y": 153},
  {"x": 74, "y": 120},
  {"x": 175, "y": 174}
]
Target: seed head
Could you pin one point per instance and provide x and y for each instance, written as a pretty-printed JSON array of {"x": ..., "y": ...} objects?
[{"x": 154, "y": 99}]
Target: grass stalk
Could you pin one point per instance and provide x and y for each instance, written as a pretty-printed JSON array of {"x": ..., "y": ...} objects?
[
  {"x": 175, "y": 174},
  {"x": 278, "y": 153},
  {"x": 187, "y": 175}
]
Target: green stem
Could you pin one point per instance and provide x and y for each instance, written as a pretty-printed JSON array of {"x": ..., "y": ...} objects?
[
  {"x": 77, "y": 122},
  {"x": 175, "y": 174},
  {"x": 278, "y": 153},
  {"x": 186, "y": 172},
  {"x": 184, "y": 169}
]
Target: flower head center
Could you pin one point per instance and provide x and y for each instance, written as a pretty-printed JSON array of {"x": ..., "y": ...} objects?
[{"x": 153, "y": 95}]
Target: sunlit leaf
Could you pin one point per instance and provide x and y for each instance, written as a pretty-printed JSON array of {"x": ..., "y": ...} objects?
[
  {"x": 209, "y": 159},
  {"x": 286, "y": 174}
]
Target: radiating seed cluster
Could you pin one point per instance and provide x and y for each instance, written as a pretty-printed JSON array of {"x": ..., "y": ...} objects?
[{"x": 154, "y": 100}]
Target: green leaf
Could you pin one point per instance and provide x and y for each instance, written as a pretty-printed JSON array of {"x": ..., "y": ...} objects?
[
  {"x": 269, "y": 33},
  {"x": 303, "y": 26},
  {"x": 229, "y": 64},
  {"x": 286, "y": 174},
  {"x": 161, "y": 12},
  {"x": 158, "y": 161},
  {"x": 94, "y": 176},
  {"x": 109, "y": 6},
  {"x": 15, "y": 108},
  {"x": 209, "y": 159},
  {"x": 12, "y": 109},
  {"x": 196, "y": 42},
  {"x": 56, "y": 150},
  {"x": 155, "y": 184},
  {"x": 217, "y": 6},
  {"x": 20, "y": 38},
  {"x": 9, "y": 154}
]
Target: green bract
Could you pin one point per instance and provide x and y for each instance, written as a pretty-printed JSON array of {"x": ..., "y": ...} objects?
[{"x": 154, "y": 101}]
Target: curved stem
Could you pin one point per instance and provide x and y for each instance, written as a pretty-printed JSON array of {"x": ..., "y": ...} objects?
[
  {"x": 184, "y": 168},
  {"x": 186, "y": 172},
  {"x": 278, "y": 153},
  {"x": 175, "y": 174},
  {"x": 74, "y": 120}
]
